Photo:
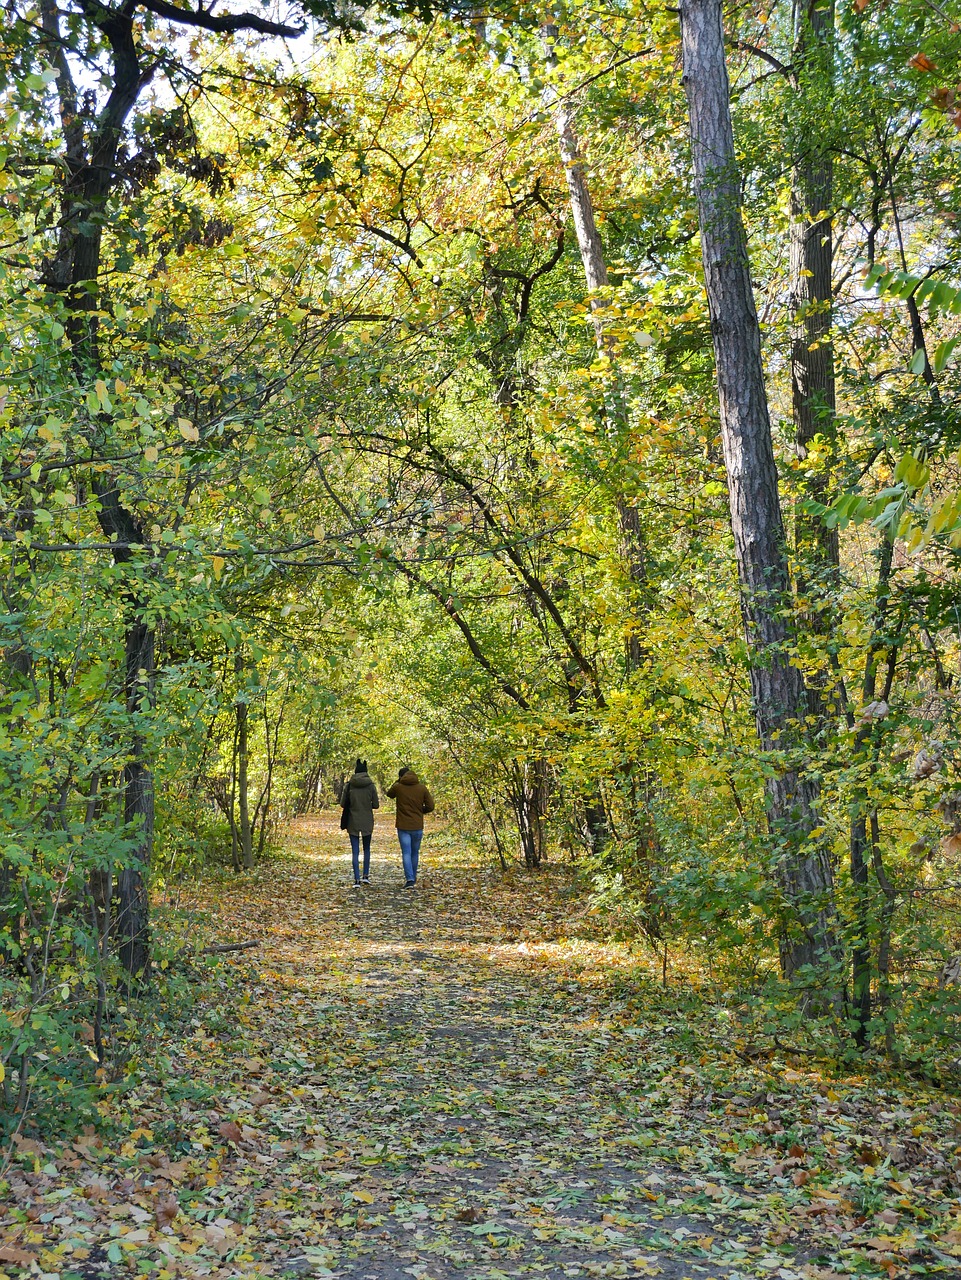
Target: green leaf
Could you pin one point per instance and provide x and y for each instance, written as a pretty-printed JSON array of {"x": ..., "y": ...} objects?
[
  {"x": 943, "y": 297},
  {"x": 943, "y": 353},
  {"x": 914, "y": 473}
]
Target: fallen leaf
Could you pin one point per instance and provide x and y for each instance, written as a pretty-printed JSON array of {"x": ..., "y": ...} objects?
[
  {"x": 230, "y": 1131},
  {"x": 19, "y": 1257},
  {"x": 166, "y": 1210}
]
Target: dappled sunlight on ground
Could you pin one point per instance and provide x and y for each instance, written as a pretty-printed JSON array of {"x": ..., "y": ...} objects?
[{"x": 466, "y": 1080}]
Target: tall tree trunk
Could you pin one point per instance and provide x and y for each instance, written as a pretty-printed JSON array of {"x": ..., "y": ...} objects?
[
  {"x": 582, "y": 207},
  {"x": 591, "y": 249},
  {"x": 74, "y": 271},
  {"x": 812, "y": 298},
  {"x": 778, "y": 692},
  {"x": 813, "y": 397}
]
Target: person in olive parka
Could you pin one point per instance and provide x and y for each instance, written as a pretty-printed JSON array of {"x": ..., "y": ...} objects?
[
  {"x": 413, "y": 801},
  {"x": 360, "y": 802}
]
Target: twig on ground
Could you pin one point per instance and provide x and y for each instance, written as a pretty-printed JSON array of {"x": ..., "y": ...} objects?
[{"x": 222, "y": 948}]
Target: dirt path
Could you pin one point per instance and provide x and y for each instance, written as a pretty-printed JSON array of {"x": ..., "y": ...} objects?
[
  {"x": 463, "y": 1081},
  {"x": 462, "y": 1084}
]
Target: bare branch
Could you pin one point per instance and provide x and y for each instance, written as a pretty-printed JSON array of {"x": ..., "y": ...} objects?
[
  {"x": 781, "y": 67},
  {"x": 221, "y": 22}
]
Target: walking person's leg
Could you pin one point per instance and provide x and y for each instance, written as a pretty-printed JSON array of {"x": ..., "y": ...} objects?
[
  {"x": 415, "y": 838},
  {"x": 405, "y": 845},
  {"x": 355, "y": 856},
  {"x": 367, "y": 837}
]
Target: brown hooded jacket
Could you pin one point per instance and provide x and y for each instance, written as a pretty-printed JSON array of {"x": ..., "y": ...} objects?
[{"x": 413, "y": 801}]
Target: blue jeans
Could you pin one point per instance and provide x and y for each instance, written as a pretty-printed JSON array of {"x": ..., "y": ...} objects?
[
  {"x": 410, "y": 852},
  {"x": 355, "y": 854}
]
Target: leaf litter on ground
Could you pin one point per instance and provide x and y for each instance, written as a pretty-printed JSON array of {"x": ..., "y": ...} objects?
[{"x": 468, "y": 1080}]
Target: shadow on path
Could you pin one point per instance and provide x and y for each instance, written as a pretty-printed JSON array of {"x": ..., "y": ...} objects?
[{"x": 463, "y": 1114}]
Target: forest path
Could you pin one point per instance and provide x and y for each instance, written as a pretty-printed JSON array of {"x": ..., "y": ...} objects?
[
  {"x": 464, "y": 1081},
  {"x": 474, "y": 1085}
]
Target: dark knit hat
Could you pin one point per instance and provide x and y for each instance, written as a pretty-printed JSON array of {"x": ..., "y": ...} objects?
[
  {"x": 360, "y": 766},
  {"x": 401, "y": 771}
]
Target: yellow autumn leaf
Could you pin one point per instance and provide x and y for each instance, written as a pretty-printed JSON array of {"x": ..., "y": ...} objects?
[
  {"x": 188, "y": 430},
  {"x": 218, "y": 566},
  {"x": 364, "y": 1196},
  {"x": 151, "y": 453}
]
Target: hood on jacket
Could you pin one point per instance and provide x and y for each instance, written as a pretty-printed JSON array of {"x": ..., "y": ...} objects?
[
  {"x": 361, "y": 780},
  {"x": 410, "y": 779}
]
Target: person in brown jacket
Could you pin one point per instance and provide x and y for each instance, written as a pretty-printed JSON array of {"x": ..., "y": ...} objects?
[{"x": 413, "y": 801}]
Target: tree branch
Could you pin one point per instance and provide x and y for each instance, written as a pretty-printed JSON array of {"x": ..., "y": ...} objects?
[
  {"x": 392, "y": 239},
  {"x": 780, "y": 67},
  {"x": 222, "y": 23}
]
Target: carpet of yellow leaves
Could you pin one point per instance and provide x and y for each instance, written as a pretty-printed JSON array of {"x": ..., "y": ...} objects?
[{"x": 467, "y": 1080}]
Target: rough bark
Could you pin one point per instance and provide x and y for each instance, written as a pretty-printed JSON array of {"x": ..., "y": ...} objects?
[
  {"x": 812, "y": 305},
  {"x": 812, "y": 267},
  {"x": 777, "y": 687}
]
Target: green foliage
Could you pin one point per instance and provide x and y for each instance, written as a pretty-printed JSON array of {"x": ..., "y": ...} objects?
[{"x": 401, "y": 488}]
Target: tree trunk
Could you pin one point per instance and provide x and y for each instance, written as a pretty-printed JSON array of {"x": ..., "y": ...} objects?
[
  {"x": 243, "y": 785},
  {"x": 591, "y": 249},
  {"x": 132, "y": 927},
  {"x": 778, "y": 692},
  {"x": 865, "y": 750},
  {"x": 813, "y": 397},
  {"x": 271, "y": 747},
  {"x": 582, "y": 207},
  {"x": 74, "y": 271},
  {"x": 884, "y": 939},
  {"x": 231, "y": 806},
  {"x": 812, "y": 297},
  {"x": 529, "y": 800}
]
